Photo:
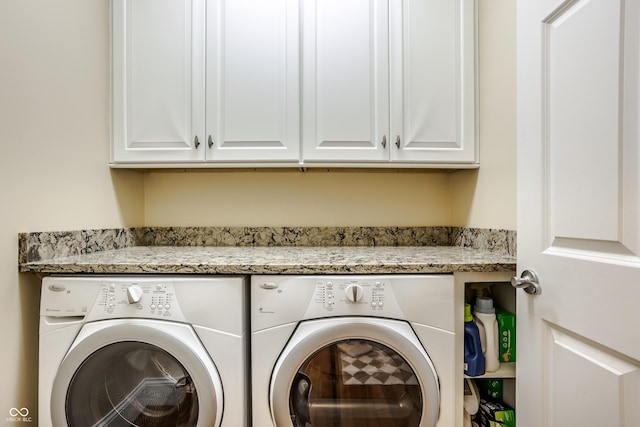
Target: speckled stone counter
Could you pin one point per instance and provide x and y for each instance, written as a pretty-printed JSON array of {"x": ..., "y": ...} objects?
[{"x": 344, "y": 250}]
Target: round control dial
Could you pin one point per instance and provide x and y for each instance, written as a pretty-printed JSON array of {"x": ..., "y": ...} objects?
[
  {"x": 354, "y": 292},
  {"x": 134, "y": 294}
]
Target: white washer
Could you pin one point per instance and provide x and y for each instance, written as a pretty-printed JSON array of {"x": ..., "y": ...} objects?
[
  {"x": 353, "y": 351},
  {"x": 145, "y": 350}
]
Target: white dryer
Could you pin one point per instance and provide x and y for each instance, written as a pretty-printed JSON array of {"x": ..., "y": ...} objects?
[
  {"x": 353, "y": 351},
  {"x": 143, "y": 351}
]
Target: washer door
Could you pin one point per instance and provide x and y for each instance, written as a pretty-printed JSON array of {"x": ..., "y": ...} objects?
[
  {"x": 354, "y": 372},
  {"x": 136, "y": 373}
]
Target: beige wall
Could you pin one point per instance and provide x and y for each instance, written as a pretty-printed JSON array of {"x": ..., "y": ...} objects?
[
  {"x": 295, "y": 198},
  {"x": 486, "y": 198},
  {"x": 53, "y": 164},
  {"x": 53, "y": 159}
]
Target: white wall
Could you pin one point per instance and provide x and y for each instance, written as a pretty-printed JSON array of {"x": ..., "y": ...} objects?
[
  {"x": 53, "y": 164},
  {"x": 53, "y": 159}
]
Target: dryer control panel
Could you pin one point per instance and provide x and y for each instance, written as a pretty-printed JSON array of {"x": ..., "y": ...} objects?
[
  {"x": 353, "y": 292},
  {"x": 358, "y": 296},
  {"x": 281, "y": 299}
]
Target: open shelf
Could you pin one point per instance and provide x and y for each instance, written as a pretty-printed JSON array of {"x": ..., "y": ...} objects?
[{"x": 507, "y": 370}]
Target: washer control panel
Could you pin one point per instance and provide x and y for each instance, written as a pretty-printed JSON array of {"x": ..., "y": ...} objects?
[
  {"x": 138, "y": 299},
  {"x": 111, "y": 298},
  {"x": 339, "y": 295}
]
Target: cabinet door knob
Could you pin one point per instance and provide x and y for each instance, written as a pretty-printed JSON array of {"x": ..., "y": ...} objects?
[
  {"x": 384, "y": 141},
  {"x": 210, "y": 141},
  {"x": 196, "y": 142},
  {"x": 398, "y": 141}
]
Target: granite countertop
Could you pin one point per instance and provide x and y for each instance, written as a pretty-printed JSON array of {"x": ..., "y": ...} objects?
[
  {"x": 278, "y": 260},
  {"x": 185, "y": 251}
]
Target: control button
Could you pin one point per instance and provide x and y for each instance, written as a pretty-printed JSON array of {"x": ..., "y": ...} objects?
[
  {"x": 380, "y": 304},
  {"x": 167, "y": 306},
  {"x": 159, "y": 286},
  {"x": 329, "y": 284},
  {"x": 374, "y": 304},
  {"x": 111, "y": 305},
  {"x": 269, "y": 285},
  {"x": 153, "y": 306},
  {"x": 378, "y": 284},
  {"x": 112, "y": 286}
]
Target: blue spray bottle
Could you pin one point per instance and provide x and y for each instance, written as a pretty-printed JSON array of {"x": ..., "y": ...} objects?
[{"x": 474, "y": 362}]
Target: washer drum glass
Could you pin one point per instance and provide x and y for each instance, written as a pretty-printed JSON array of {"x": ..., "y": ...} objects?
[{"x": 131, "y": 384}]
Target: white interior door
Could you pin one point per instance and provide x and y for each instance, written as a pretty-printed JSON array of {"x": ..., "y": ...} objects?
[{"x": 578, "y": 212}]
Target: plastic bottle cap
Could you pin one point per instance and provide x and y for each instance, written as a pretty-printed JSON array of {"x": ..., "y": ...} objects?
[
  {"x": 481, "y": 289},
  {"x": 484, "y": 305},
  {"x": 467, "y": 313}
]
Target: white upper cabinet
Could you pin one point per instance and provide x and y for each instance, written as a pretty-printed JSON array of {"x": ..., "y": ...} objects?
[
  {"x": 233, "y": 83},
  {"x": 433, "y": 81},
  {"x": 253, "y": 107},
  {"x": 389, "y": 81},
  {"x": 157, "y": 81},
  {"x": 345, "y": 75},
  {"x": 197, "y": 81}
]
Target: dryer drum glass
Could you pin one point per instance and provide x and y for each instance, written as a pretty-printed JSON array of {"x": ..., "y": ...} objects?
[
  {"x": 131, "y": 384},
  {"x": 357, "y": 383}
]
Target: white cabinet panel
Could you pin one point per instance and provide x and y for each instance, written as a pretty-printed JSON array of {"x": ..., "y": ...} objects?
[
  {"x": 345, "y": 80},
  {"x": 433, "y": 81},
  {"x": 253, "y": 80},
  {"x": 157, "y": 80}
]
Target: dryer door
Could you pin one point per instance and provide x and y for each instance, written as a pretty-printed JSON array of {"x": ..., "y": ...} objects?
[
  {"x": 354, "y": 372},
  {"x": 136, "y": 373}
]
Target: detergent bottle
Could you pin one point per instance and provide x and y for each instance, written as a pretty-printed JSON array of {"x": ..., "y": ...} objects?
[
  {"x": 473, "y": 357},
  {"x": 485, "y": 316}
]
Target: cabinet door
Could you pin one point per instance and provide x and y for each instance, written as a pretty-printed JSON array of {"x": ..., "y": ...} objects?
[
  {"x": 345, "y": 80},
  {"x": 157, "y": 81},
  {"x": 253, "y": 108},
  {"x": 432, "y": 74}
]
